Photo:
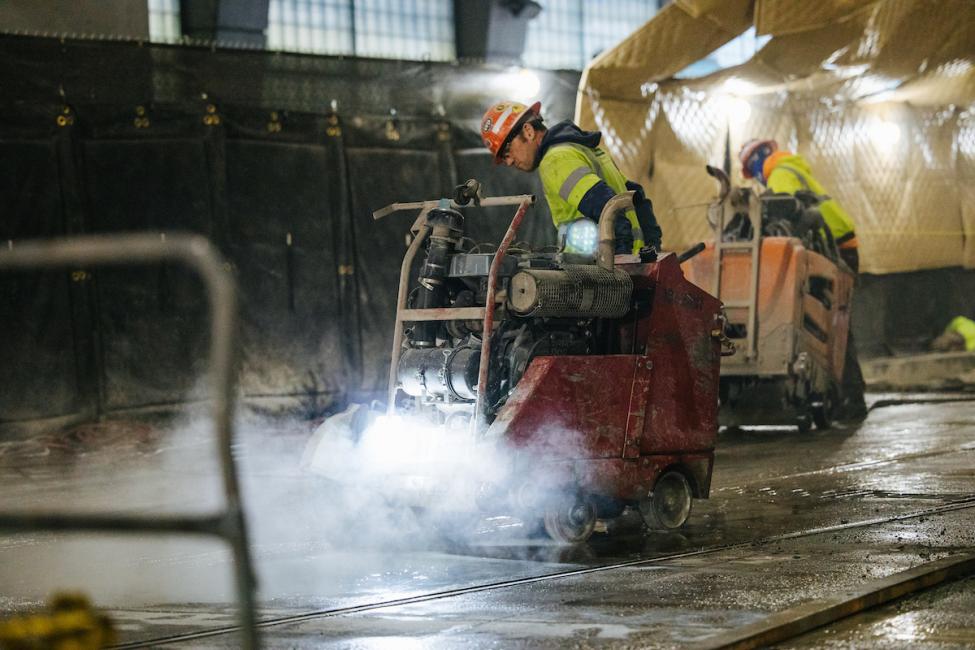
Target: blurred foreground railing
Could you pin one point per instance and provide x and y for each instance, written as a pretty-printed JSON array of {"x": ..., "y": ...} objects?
[{"x": 196, "y": 253}]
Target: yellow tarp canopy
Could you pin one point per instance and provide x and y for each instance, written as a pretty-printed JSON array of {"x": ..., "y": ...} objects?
[{"x": 878, "y": 95}]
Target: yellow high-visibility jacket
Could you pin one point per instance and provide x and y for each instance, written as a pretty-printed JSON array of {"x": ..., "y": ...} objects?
[
  {"x": 788, "y": 172},
  {"x": 966, "y": 328},
  {"x": 571, "y": 164}
]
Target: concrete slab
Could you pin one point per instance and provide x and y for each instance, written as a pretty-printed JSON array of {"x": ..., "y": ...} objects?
[
  {"x": 934, "y": 371},
  {"x": 318, "y": 549}
]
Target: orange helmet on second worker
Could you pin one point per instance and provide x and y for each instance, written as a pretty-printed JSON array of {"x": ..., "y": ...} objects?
[{"x": 501, "y": 120}]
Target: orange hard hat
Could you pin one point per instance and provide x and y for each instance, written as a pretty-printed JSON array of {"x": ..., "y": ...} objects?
[
  {"x": 501, "y": 120},
  {"x": 748, "y": 149}
]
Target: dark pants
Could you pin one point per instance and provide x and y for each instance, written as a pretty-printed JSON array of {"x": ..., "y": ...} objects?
[
  {"x": 852, "y": 258},
  {"x": 852, "y": 406}
]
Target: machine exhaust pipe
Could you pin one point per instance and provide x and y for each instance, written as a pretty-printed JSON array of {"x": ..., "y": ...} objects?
[
  {"x": 691, "y": 252},
  {"x": 607, "y": 220},
  {"x": 719, "y": 175}
]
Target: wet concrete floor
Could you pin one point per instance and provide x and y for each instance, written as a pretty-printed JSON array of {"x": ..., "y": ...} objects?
[{"x": 852, "y": 497}]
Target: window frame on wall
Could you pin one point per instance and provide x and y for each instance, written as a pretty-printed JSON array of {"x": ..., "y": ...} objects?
[
  {"x": 571, "y": 21},
  {"x": 417, "y": 30},
  {"x": 164, "y": 21},
  {"x": 565, "y": 35}
]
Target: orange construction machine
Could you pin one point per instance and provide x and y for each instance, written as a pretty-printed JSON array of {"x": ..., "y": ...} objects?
[{"x": 787, "y": 297}]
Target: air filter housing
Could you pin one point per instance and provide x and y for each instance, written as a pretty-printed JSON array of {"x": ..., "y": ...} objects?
[{"x": 575, "y": 291}]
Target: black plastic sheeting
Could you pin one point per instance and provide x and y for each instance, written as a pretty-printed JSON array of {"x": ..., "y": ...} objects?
[
  {"x": 149, "y": 318},
  {"x": 246, "y": 149},
  {"x": 38, "y": 374}
]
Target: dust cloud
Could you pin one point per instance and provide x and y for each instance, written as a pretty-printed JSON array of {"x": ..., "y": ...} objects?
[{"x": 331, "y": 515}]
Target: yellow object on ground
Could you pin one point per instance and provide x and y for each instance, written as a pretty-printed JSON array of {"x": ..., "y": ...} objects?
[
  {"x": 965, "y": 327},
  {"x": 69, "y": 624}
]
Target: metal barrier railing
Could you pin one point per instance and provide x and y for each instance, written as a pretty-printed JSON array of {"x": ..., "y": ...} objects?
[{"x": 196, "y": 253}]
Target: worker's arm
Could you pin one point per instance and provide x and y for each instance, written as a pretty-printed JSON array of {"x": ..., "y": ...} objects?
[
  {"x": 595, "y": 200},
  {"x": 567, "y": 173},
  {"x": 783, "y": 179},
  {"x": 652, "y": 234}
]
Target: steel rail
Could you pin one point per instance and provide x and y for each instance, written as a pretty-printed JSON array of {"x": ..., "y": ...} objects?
[
  {"x": 813, "y": 614},
  {"x": 958, "y": 504},
  {"x": 196, "y": 253}
]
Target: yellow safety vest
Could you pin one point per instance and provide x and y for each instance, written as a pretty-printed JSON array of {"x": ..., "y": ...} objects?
[{"x": 790, "y": 173}]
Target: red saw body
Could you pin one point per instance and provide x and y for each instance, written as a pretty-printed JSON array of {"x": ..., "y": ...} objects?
[
  {"x": 616, "y": 422},
  {"x": 565, "y": 387}
]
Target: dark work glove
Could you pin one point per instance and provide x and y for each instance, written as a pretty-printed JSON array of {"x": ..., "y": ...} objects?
[{"x": 623, "y": 233}]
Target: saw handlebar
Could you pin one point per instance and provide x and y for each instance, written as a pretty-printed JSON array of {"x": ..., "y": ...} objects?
[{"x": 429, "y": 205}]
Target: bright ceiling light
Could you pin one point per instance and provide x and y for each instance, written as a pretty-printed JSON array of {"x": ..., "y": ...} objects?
[
  {"x": 736, "y": 109},
  {"x": 884, "y": 134},
  {"x": 523, "y": 85},
  {"x": 738, "y": 86}
]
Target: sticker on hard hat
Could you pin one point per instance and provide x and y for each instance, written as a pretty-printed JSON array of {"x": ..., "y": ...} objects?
[{"x": 487, "y": 124}]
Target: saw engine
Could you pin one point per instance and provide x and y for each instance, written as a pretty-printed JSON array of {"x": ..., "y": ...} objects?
[
  {"x": 552, "y": 359},
  {"x": 547, "y": 306}
]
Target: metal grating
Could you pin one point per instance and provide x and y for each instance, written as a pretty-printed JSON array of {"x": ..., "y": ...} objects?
[{"x": 575, "y": 291}]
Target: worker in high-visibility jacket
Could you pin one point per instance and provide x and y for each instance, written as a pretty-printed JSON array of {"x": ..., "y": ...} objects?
[
  {"x": 957, "y": 336},
  {"x": 785, "y": 172},
  {"x": 782, "y": 171},
  {"x": 578, "y": 176}
]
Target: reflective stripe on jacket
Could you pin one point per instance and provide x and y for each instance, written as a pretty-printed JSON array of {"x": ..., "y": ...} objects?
[
  {"x": 569, "y": 170},
  {"x": 788, "y": 173}
]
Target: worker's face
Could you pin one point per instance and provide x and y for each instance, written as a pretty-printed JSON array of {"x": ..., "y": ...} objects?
[{"x": 521, "y": 149}]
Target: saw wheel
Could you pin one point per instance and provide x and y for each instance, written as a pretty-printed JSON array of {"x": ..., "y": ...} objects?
[
  {"x": 570, "y": 519},
  {"x": 668, "y": 505}
]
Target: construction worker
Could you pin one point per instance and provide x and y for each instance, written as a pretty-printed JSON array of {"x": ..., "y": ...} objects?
[
  {"x": 785, "y": 172},
  {"x": 958, "y": 336},
  {"x": 578, "y": 176}
]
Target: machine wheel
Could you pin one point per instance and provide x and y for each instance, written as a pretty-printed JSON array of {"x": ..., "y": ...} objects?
[
  {"x": 804, "y": 423},
  {"x": 822, "y": 414},
  {"x": 669, "y": 503},
  {"x": 822, "y": 411},
  {"x": 570, "y": 519}
]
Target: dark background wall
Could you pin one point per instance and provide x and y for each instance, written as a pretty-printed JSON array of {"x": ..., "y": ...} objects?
[
  {"x": 117, "y": 17},
  {"x": 280, "y": 160}
]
